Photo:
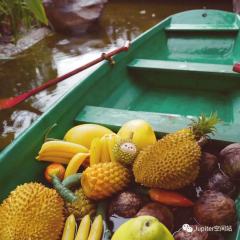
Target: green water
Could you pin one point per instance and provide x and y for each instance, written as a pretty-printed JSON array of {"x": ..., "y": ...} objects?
[{"x": 57, "y": 54}]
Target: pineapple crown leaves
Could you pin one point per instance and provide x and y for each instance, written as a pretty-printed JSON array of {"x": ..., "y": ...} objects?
[{"x": 203, "y": 125}]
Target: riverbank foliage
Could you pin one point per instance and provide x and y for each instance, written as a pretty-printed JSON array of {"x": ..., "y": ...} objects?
[{"x": 19, "y": 15}]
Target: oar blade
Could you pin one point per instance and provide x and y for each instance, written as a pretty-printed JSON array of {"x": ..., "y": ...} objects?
[{"x": 7, "y": 103}]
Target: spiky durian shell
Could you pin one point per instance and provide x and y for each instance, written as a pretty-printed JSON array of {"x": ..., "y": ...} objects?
[
  {"x": 125, "y": 151},
  {"x": 102, "y": 180},
  {"x": 32, "y": 211},
  {"x": 170, "y": 163},
  {"x": 82, "y": 206}
]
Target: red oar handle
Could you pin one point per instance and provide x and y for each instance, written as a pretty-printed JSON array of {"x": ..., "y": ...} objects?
[{"x": 236, "y": 67}]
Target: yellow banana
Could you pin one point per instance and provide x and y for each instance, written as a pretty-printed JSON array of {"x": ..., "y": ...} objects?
[
  {"x": 53, "y": 159},
  {"x": 113, "y": 138},
  {"x": 105, "y": 156},
  {"x": 96, "y": 229},
  {"x": 75, "y": 163},
  {"x": 69, "y": 229},
  {"x": 95, "y": 151},
  {"x": 84, "y": 228},
  {"x": 62, "y": 146},
  {"x": 67, "y": 155},
  {"x": 101, "y": 149}
]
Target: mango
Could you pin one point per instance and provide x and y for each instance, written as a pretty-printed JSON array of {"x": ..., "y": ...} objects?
[
  {"x": 140, "y": 131},
  {"x": 142, "y": 228},
  {"x": 85, "y": 133}
]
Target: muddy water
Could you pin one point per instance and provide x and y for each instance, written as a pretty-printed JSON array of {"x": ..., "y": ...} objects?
[{"x": 58, "y": 54}]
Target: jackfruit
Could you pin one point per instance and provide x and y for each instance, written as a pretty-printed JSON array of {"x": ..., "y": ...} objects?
[
  {"x": 32, "y": 211},
  {"x": 173, "y": 162},
  {"x": 82, "y": 206}
]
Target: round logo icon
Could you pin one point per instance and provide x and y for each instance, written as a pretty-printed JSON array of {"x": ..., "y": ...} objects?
[{"x": 187, "y": 228}]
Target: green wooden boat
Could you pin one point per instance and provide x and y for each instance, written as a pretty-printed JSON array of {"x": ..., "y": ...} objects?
[{"x": 177, "y": 70}]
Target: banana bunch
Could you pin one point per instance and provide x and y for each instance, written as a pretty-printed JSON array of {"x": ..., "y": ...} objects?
[
  {"x": 101, "y": 149},
  {"x": 70, "y": 228},
  {"x": 75, "y": 163},
  {"x": 59, "y": 151},
  {"x": 86, "y": 230}
]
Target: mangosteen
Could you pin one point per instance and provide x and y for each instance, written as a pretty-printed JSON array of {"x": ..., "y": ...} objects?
[
  {"x": 215, "y": 236},
  {"x": 182, "y": 216},
  {"x": 230, "y": 160},
  {"x": 126, "y": 204},
  {"x": 220, "y": 182},
  {"x": 190, "y": 232},
  {"x": 215, "y": 209},
  {"x": 159, "y": 211},
  {"x": 208, "y": 164}
]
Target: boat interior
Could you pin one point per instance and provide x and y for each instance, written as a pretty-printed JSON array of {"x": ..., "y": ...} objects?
[{"x": 174, "y": 72}]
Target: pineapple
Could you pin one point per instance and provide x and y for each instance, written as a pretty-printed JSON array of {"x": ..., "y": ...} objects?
[
  {"x": 81, "y": 207},
  {"x": 102, "y": 180},
  {"x": 203, "y": 126},
  {"x": 173, "y": 162}
]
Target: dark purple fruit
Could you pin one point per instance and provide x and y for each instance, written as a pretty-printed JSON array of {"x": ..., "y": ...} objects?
[
  {"x": 126, "y": 204},
  {"x": 215, "y": 209},
  {"x": 186, "y": 234},
  {"x": 182, "y": 216},
  {"x": 157, "y": 210},
  {"x": 215, "y": 236},
  {"x": 208, "y": 163},
  {"x": 220, "y": 182},
  {"x": 230, "y": 160}
]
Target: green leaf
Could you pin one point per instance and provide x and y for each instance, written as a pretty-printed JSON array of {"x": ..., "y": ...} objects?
[{"x": 36, "y": 7}]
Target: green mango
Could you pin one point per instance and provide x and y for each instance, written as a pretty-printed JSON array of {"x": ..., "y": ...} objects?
[{"x": 142, "y": 228}]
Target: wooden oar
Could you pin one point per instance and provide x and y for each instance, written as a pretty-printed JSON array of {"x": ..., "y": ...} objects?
[{"x": 13, "y": 101}]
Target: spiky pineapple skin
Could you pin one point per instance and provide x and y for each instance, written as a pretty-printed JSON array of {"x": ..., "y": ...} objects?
[
  {"x": 82, "y": 206},
  {"x": 32, "y": 211},
  {"x": 102, "y": 180},
  {"x": 171, "y": 163}
]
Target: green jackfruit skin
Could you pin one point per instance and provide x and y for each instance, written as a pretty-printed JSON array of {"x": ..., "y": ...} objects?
[
  {"x": 171, "y": 163},
  {"x": 82, "y": 206},
  {"x": 125, "y": 152}
]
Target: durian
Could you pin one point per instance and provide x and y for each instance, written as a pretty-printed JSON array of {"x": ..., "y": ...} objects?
[
  {"x": 102, "y": 180},
  {"x": 125, "y": 151},
  {"x": 173, "y": 161},
  {"x": 82, "y": 206},
  {"x": 32, "y": 211}
]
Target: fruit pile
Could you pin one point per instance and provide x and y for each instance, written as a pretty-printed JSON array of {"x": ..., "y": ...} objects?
[{"x": 98, "y": 177}]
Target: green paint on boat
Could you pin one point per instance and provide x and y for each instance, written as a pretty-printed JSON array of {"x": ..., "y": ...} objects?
[{"x": 175, "y": 71}]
